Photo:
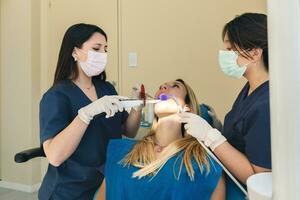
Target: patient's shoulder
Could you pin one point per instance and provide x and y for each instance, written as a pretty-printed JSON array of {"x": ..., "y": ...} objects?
[
  {"x": 121, "y": 143},
  {"x": 118, "y": 148}
]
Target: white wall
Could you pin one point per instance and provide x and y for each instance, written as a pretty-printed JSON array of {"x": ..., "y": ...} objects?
[{"x": 284, "y": 45}]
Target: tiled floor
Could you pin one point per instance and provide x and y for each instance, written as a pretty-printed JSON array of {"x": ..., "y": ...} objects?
[{"x": 7, "y": 194}]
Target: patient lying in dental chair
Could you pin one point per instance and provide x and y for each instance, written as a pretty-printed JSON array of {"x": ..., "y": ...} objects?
[{"x": 167, "y": 163}]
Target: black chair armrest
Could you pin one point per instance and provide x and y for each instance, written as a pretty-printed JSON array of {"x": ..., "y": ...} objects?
[{"x": 28, "y": 154}]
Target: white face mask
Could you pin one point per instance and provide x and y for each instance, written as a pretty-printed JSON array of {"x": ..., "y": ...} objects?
[
  {"x": 95, "y": 63},
  {"x": 228, "y": 64}
]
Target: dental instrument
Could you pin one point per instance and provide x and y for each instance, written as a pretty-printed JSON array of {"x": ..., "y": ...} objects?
[
  {"x": 146, "y": 94},
  {"x": 129, "y": 103}
]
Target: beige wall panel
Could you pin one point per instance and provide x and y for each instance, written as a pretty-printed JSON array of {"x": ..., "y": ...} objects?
[
  {"x": 0, "y": 79},
  {"x": 17, "y": 89},
  {"x": 35, "y": 85}
]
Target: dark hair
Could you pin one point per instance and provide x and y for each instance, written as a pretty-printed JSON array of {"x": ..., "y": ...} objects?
[
  {"x": 248, "y": 31},
  {"x": 75, "y": 36}
]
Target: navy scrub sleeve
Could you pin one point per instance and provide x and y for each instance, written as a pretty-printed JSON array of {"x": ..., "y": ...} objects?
[{"x": 55, "y": 115}]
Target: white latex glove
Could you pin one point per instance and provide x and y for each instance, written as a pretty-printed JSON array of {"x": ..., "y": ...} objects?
[
  {"x": 106, "y": 104},
  {"x": 215, "y": 120},
  {"x": 200, "y": 129}
]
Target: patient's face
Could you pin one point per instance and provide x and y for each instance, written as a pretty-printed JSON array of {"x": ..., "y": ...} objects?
[{"x": 174, "y": 88}]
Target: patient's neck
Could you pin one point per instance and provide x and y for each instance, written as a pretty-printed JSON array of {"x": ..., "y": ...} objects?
[{"x": 168, "y": 130}]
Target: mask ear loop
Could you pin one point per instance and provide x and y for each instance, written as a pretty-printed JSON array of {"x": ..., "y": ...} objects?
[
  {"x": 240, "y": 53},
  {"x": 248, "y": 64},
  {"x": 77, "y": 50}
]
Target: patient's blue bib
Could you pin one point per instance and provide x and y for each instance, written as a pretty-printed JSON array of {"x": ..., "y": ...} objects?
[{"x": 120, "y": 184}]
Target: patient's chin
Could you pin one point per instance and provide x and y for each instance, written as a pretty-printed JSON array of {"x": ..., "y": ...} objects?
[
  {"x": 162, "y": 112},
  {"x": 165, "y": 108}
]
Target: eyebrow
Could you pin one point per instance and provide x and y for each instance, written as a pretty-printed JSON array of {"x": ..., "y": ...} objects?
[
  {"x": 179, "y": 83},
  {"x": 172, "y": 83},
  {"x": 100, "y": 44}
]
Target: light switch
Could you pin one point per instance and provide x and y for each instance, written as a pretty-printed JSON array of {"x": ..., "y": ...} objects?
[{"x": 132, "y": 59}]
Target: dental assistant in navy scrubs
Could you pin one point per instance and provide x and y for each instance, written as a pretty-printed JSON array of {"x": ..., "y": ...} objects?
[
  {"x": 79, "y": 114},
  {"x": 244, "y": 145}
]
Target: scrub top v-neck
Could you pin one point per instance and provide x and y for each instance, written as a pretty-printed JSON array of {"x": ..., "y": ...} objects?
[
  {"x": 84, "y": 95},
  {"x": 80, "y": 175}
]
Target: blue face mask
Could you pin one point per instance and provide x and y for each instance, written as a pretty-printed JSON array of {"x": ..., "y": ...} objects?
[{"x": 228, "y": 64}]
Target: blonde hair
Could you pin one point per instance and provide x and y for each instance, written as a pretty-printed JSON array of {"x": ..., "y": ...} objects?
[{"x": 142, "y": 154}]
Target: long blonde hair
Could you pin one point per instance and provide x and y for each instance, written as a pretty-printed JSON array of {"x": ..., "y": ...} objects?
[{"x": 142, "y": 154}]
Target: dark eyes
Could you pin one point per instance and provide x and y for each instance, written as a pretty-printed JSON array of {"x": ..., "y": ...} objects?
[{"x": 98, "y": 49}]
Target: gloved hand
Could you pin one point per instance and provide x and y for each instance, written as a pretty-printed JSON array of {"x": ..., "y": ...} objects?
[
  {"x": 106, "y": 104},
  {"x": 200, "y": 129},
  {"x": 215, "y": 120}
]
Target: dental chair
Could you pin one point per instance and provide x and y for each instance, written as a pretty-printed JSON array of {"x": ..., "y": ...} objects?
[{"x": 29, "y": 154}]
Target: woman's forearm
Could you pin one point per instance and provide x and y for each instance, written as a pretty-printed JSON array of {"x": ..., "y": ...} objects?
[
  {"x": 62, "y": 146},
  {"x": 101, "y": 194},
  {"x": 132, "y": 123},
  {"x": 220, "y": 190},
  {"x": 236, "y": 162}
]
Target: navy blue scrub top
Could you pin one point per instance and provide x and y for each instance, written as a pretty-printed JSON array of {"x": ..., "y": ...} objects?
[
  {"x": 80, "y": 175},
  {"x": 247, "y": 125}
]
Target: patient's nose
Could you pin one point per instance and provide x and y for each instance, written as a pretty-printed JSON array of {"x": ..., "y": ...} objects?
[{"x": 164, "y": 87}]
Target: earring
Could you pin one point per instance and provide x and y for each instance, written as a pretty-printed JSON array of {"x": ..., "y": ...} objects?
[{"x": 75, "y": 59}]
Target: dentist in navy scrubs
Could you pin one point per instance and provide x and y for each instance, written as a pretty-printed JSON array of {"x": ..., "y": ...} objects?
[
  {"x": 79, "y": 114},
  {"x": 243, "y": 145}
]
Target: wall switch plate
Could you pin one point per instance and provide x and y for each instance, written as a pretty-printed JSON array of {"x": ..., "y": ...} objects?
[{"x": 132, "y": 59}]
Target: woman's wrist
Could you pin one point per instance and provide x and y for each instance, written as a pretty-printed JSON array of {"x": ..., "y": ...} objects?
[
  {"x": 214, "y": 138},
  {"x": 84, "y": 117}
]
